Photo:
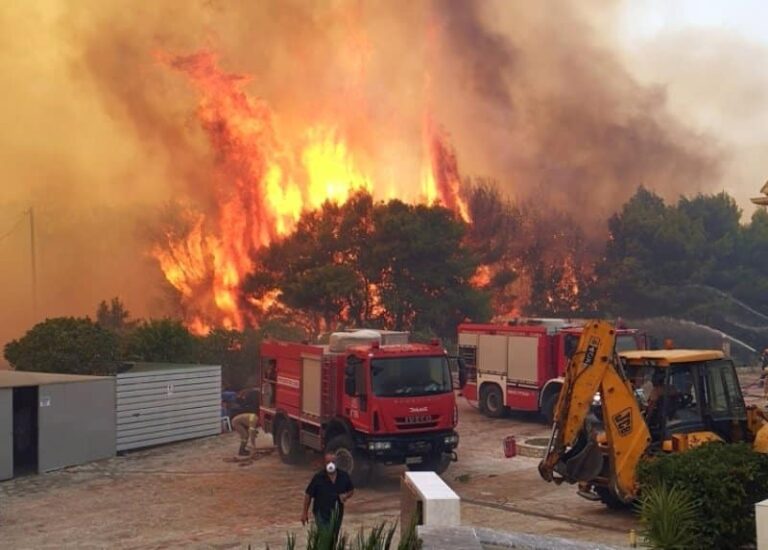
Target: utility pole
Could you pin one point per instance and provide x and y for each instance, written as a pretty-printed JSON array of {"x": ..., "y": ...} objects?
[{"x": 33, "y": 262}]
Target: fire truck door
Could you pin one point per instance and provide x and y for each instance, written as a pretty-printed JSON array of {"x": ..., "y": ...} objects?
[{"x": 356, "y": 397}]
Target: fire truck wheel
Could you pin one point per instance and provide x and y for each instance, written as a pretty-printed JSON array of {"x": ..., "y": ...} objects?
[
  {"x": 287, "y": 438},
  {"x": 348, "y": 458},
  {"x": 436, "y": 463},
  {"x": 493, "y": 402}
]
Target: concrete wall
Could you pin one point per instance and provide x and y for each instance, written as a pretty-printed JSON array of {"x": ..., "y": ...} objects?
[
  {"x": 6, "y": 433},
  {"x": 76, "y": 423},
  {"x": 761, "y": 519}
]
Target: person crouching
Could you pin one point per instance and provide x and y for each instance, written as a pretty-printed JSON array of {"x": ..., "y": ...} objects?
[{"x": 246, "y": 424}]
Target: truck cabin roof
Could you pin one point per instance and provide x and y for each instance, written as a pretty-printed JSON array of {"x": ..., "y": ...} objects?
[
  {"x": 668, "y": 357},
  {"x": 397, "y": 350},
  {"x": 491, "y": 328}
]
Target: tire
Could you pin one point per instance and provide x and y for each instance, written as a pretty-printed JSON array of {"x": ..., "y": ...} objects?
[
  {"x": 350, "y": 459},
  {"x": 287, "y": 440},
  {"x": 548, "y": 408},
  {"x": 610, "y": 500},
  {"x": 435, "y": 463},
  {"x": 493, "y": 401}
]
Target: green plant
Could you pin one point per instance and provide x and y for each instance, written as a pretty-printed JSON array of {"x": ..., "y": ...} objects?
[
  {"x": 668, "y": 516},
  {"x": 378, "y": 537},
  {"x": 724, "y": 480}
]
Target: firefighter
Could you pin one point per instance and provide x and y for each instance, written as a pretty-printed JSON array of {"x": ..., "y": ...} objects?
[{"x": 246, "y": 424}]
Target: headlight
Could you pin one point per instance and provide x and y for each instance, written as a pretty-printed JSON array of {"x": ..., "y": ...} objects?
[
  {"x": 379, "y": 445},
  {"x": 596, "y": 400},
  {"x": 451, "y": 439}
]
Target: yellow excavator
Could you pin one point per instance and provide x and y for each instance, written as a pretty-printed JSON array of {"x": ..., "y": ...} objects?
[{"x": 616, "y": 410}]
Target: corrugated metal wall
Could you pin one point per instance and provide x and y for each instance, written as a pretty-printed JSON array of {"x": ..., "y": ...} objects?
[{"x": 169, "y": 403}]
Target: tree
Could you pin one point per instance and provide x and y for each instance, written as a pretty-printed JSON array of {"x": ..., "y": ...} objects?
[
  {"x": 162, "y": 340},
  {"x": 113, "y": 316},
  {"x": 379, "y": 264},
  {"x": 423, "y": 269},
  {"x": 238, "y": 352},
  {"x": 320, "y": 268},
  {"x": 691, "y": 260},
  {"x": 64, "y": 345}
]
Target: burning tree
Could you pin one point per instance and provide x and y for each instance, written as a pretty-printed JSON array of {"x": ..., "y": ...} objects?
[
  {"x": 264, "y": 191},
  {"x": 373, "y": 263},
  {"x": 534, "y": 260}
]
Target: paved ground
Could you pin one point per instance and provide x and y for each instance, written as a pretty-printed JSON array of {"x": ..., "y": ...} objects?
[{"x": 193, "y": 494}]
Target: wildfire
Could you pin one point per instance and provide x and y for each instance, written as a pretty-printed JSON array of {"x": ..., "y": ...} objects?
[
  {"x": 262, "y": 185},
  {"x": 482, "y": 276}
]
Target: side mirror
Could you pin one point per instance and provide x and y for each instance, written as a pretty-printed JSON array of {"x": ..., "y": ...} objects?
[{"x": 349, "y": 385}]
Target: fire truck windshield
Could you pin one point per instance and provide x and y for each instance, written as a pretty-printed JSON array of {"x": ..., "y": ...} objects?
[{"x": 399, "y": 376}]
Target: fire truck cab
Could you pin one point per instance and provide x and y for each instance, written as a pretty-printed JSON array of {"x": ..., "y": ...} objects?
[
  {"x": 520, "y": 365},
  {"x": 368, "y": 396}
]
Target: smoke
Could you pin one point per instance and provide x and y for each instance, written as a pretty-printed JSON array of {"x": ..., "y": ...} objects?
[
  {"x": 556, "y": 116},
  {"x": 102, "y": 134}
]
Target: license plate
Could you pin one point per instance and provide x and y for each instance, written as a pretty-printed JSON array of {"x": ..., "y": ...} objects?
[{"x": 413, "y": 460}]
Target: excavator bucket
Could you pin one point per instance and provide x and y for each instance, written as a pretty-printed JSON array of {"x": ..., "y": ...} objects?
[{"x": 585, "y": 465}]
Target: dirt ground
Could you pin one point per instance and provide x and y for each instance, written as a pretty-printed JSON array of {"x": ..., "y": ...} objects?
[{"x": 194, "y": 495}]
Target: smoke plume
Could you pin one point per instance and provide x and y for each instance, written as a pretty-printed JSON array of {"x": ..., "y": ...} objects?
[{"x": 103, "y": 133}]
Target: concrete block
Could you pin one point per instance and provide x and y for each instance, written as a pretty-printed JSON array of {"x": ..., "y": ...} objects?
[
  {"x": 761, "y": 519},
  {"x": 428, "y": 497}
]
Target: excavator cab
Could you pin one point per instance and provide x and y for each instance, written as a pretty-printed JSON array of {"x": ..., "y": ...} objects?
[{"x": 689, "y": 397}]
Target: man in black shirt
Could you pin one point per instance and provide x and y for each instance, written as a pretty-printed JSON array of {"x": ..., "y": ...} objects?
[{"x": 329, "y": 489}]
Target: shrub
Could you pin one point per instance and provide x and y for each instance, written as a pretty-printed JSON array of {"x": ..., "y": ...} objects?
[
  {"x": 378, "y": 537},
  {"x": 66, "y": 345},
  {"x": 668, "y": 516},
  {"x": 725, "y": 481}
]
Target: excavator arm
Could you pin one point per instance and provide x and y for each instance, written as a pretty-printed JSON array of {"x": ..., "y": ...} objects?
[{"x": 573, "y": 454}]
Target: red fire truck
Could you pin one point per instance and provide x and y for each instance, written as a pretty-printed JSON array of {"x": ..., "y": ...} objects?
[
  {"x": 520, "y": 365},
  {"x": 368, "y": 396}
]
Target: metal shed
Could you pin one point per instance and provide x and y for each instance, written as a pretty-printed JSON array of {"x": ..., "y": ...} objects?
[
  {"x": 161, "y": 402},
  {"x": 49, "y": 421}
]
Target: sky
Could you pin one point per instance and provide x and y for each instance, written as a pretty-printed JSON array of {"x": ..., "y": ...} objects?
[
  {"x": 709, "y": 58},
  {"x": 642, "y": 20}
]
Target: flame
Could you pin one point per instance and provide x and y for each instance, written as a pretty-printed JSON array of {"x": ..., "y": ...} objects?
[
  {"x": 440, "y": 178},
  {"x": 482, "y": 276},
  {"x": 331, "y": 171},
  {"x": 261, "y": 186}
]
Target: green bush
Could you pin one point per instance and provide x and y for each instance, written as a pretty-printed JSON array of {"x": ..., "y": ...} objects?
[
  {"x": 377, "y": 538},
  {"x": 66, "y": 345},
  {"x": 668, "y": 516},
  {"x": 725, "y": 481}
]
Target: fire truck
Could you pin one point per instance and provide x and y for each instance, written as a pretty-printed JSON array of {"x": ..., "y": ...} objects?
[
  {"x": 368, "y": 396},
  {"x": 520, "y": 365}
]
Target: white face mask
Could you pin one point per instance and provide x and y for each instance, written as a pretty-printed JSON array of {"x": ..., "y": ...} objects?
[{"x": 330, "y": 467}]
